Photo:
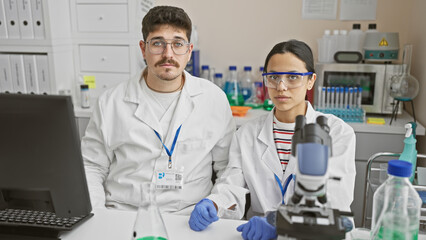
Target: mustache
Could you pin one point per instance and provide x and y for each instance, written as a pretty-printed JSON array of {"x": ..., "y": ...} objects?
[{"x": 169, "y": 61}]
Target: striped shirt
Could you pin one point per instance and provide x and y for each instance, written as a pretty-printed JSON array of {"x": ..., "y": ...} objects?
[{"x": 283, "y": 132}]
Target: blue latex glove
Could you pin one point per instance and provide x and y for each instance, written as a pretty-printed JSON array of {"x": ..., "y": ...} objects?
[
  {"x": 257, "y": 229},
  {"x": 204, "y": 214}
]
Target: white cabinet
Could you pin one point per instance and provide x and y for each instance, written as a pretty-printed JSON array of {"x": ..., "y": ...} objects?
[
  {"x": 35, "y": 47},
  {"x": 106, "y": 35}
]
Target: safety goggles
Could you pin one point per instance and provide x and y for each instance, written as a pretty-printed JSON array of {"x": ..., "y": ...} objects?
[
  {"x": 157, "y": 46},
  {"x": 290, "y": 79}
]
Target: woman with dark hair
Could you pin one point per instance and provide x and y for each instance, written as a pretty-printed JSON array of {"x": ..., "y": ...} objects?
[{"x": 259, "y": 160}]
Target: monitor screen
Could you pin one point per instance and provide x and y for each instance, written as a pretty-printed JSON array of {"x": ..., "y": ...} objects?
[{"x": 41, "y": 166}]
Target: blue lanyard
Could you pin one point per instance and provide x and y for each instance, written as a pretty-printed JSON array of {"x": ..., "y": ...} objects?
[
  {"x": 287, "y": 182},
  {"x": 170, "y": 152}
]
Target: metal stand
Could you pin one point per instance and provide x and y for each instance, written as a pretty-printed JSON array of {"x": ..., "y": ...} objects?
[{"x": 396, "y": 106}]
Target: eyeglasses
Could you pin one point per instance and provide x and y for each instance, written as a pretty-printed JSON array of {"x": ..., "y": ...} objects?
[
  {"x": 290, "y": 79},
  {"x": 157, "y": 46}
]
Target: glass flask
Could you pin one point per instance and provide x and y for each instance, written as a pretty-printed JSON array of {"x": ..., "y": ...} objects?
[
  {"x": 149, "y": 224},
  {"x": 404, "y": 87}
]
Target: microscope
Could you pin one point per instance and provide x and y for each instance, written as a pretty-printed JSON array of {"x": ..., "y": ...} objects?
[{"x": 307, "y": 215}]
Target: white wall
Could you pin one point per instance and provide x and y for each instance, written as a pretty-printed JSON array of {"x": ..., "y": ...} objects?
[{"x": 242, "y": 32}]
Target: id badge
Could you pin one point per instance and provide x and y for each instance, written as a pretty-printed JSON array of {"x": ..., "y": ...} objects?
[{"x": 169, "y": 179}]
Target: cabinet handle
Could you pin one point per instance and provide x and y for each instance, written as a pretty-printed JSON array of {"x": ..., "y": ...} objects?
[
  {"x": 100, "y": 18},
  {"x": 103, "y": 59}
]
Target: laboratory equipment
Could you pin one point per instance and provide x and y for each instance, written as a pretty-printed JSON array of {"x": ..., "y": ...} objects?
[
  {"x": 205, "y": 72},
  {"x": 307, "y": 215},
  {"x": 232, "y": 88},
  {"x": 85, "y": 96},
  {"x": 268, "y": 104},
  {"x": 404, "y": 88},
  {"x": 381, "y": 46},
  {"x": 409, "y": 153},
  {"x": 250, "y": 89},
  {"x": 356, "y": 39},
  {"x": 149, "y": 224},
  {"x": 374, "y": 79},
  {"x": 246, "y": 82},
  {"x": 396, "y": 205},
  {"x": 260, "y": 91},
  {"x": 218, "y": 80}
]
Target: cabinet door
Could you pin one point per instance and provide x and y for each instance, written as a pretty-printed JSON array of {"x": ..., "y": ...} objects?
[
  {"x": 104, "y": 58},
  {"x": 102, "y": 18}
]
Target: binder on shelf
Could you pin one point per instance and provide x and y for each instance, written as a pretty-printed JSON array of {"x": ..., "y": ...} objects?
[
  {"x": 12, "y": 21},
  {"x": 3, "y": 28},
  {"x": 25, "y": 19},
  {"x": 38, "y": 22},
  {"x": 18, "y": 73},
  {"x": 6, "y": 84},
  {"x": 43, "y": 76},
  {"x": 31, "y": 73}
]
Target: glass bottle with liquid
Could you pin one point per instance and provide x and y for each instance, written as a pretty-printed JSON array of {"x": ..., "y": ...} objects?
[
  {"x": 149, "y": 224},
  {"x": 232, "y": 88},
  {"x": 396, "y": 205}
]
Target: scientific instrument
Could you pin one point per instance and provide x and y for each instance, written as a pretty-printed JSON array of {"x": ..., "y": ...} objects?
[{"x": 307, "y": 215}]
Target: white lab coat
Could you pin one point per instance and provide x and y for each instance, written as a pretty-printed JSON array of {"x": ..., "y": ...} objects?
[
  {"x": 253, "y": 161},
  {"x": 121, "y": 150}
]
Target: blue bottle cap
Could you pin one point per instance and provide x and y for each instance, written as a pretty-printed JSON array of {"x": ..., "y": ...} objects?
[
  {"x": 205, "y": 67},
  {"x": 218, "y": 75},
  {"x": 399, "y": 168},
  {"x": 231, "y": 68},
  {"x": 247, "y": 68}
]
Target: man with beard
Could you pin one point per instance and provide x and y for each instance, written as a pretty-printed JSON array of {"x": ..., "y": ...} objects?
[{"x": 163, "y": 126}]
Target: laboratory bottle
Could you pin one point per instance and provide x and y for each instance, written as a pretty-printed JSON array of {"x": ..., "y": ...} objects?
[
  {"x": 396, "y": 205},
  {"x": 232, "y": 88},
  {"x": 218, "y": 80},
  {"x": 253, "y": 101},
  {"x": 324, "y": 47},
  {"x": 149, "y": 224},
  {"x": 258, "y": 81},
  {"x": 246, "y": 81},
  {"x": 211, "y": 74},
  {"x": 409, "y": 153},
  {"x": 334, "y": 44},
  {"x": 343, "y": 41},
  {"x": 84, "y": 96},
  {"x": 204, "y": 72},
  {"x": 356, "y": 38}
]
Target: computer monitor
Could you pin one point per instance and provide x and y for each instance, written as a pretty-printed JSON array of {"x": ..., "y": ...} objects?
[{"x": 41, "y": 166}]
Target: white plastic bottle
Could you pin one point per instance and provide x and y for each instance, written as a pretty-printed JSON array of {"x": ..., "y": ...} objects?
[
  {"x": 343, "y": 40},
  {"x": 334, "y": 44},
  {"x": 324, "y": 46},
  {"x": 204, "y": 72},
  {"x": 396, "y": 205},
  {"x": 356, "y": 38}
]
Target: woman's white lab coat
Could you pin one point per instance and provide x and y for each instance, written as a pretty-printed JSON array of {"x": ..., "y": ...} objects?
[
  {"x": 121, "y": 150},
  {"x": 253, "y": 161}
]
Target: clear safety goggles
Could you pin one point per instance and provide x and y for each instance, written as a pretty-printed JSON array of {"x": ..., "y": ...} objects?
[
  {"x": 290, "y": 79},
  {"x": 157, "y": 46}
]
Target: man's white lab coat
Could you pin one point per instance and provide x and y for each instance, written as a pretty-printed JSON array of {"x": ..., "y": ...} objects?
[
  {"x": 253, "y": 161},
  {"x": 121, "y": 150}
]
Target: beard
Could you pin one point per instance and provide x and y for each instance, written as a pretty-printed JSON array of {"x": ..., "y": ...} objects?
[{"x": 168, "y": 75}]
